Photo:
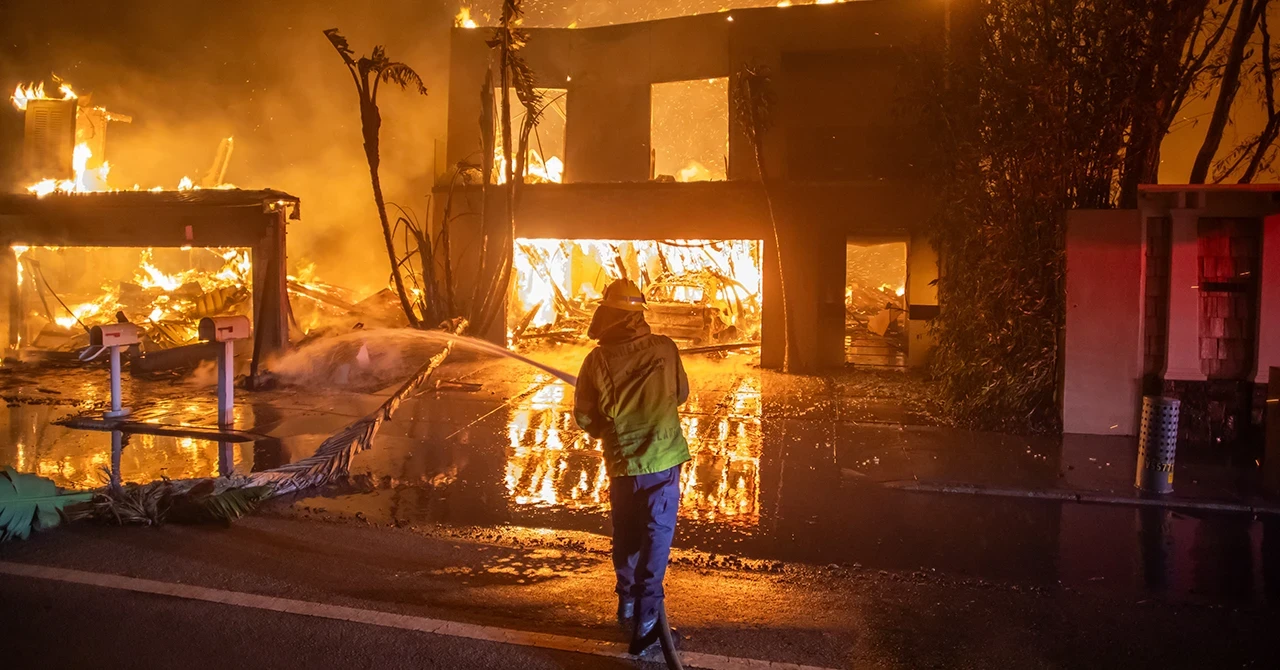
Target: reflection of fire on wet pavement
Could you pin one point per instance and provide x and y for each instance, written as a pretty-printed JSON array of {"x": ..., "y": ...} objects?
[{"x": 550, "y": 462}]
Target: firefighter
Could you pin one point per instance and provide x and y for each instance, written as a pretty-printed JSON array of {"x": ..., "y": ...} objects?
[{"x": 627, "y": 394}]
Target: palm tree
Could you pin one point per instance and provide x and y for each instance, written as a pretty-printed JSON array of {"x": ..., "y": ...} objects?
[
  {"x": 368, "y": 73},
  {"x": 515, "y": 74},
  {"x": 753, "y": 104}
]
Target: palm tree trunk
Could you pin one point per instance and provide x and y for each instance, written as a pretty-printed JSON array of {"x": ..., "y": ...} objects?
[
  {"x": 391, "y": 247},
  {"x": 777, "y": 251}
]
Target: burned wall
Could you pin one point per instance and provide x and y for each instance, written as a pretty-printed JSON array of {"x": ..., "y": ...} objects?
[{"x": 835, "y": 68}]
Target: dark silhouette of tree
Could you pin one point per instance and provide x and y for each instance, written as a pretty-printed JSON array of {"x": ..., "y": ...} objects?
[
  {"x": 514, "y": 74},
  {"x": 368, "y": 73},
  {"x": 1248, "y": 18},
  {"x": 754, "y": 99},
  {"x": 1046, "y": 107}
]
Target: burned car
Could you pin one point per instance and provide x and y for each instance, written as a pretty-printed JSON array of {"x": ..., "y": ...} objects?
[{"x": 701, "y": 308}]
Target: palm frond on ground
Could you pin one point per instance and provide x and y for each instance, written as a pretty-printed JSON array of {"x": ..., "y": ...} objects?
[{"x": 30, "y": 502}]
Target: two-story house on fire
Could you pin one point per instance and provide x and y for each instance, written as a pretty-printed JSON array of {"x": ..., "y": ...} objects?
[{"x": 640, "y": 144}]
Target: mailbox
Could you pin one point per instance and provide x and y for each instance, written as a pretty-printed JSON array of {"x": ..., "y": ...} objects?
[
  {"x": 113, "y": 335},
  {"x": 224, "y": 328}
]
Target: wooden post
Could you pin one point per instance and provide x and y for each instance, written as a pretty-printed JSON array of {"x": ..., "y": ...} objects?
[
  {"x": 270, "y": 291},
  {"x": 12, "y": 294}
]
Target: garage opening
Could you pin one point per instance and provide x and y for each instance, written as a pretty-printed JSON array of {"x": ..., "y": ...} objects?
[{"x": 875, "y": 303}]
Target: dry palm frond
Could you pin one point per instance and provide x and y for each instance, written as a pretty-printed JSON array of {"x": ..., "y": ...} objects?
[
  {"x": 204, "y": 503},
  {"x": 189, "y": 501},
  {"x": 133, "y": 504}
]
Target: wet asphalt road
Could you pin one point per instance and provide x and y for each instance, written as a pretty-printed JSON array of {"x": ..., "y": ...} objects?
[
  {"x": 54, "y": 626},
  {"x": 785, "y": 469},
  {"x": 484, "y": 507},
  {"x": 560, "y": 583}
]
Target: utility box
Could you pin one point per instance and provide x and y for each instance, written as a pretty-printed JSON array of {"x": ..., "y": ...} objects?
[{"x": 49, "y": 139}]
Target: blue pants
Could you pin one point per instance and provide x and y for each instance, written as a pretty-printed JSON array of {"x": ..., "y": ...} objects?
[{"x": 643, "y": 508}]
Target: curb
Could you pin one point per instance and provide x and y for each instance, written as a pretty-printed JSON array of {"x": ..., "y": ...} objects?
[{"x": 1087, "y": 497}]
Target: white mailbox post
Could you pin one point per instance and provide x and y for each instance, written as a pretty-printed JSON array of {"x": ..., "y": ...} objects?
[
  {"x": 225, "y": 329},
  {"x": 113, "y": 337}
]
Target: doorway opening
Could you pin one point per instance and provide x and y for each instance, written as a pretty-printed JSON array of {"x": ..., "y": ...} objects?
[{"x": 875, "y": 303}]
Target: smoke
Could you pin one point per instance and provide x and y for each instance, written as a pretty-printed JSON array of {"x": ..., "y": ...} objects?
[
  {"x": 364, "y": 361},
  {"x": 191, "y": 74}
]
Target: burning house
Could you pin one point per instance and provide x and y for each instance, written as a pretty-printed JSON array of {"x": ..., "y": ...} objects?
[
  {"x": 639, "y": 168},
  {"x": 76, "y": 252}
]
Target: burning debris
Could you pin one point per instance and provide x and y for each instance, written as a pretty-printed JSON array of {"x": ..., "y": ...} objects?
[
  {"x": 55, "y": 122},
  {"x": 167, "y": 306},
  {"x": 699, "y": 291}
]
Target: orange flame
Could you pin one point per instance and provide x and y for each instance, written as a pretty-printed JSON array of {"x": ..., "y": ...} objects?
[
  {"x": 463, "y": 19},
  {"x": 22, "y": 95}
]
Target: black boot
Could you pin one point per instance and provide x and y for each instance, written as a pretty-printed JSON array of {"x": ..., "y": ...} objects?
[
  {"x": 626, "y": 609},
  {"x": 644, "y": 638}
]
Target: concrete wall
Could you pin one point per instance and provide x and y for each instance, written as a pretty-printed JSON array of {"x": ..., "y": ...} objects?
[
  {"x": 922, "y": 297},
  {"x": 1103, "y": 356},
  {"x": 608, "y": 70}
]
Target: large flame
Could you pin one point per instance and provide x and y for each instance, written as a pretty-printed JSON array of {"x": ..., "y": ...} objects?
[
  {"x": 171, "y": 302},
  {"x": 84, "y": 179},
  {"x": 557, "y": 281},
  {"x": 463, "y": 19},
  {"x": 23, "y": 94},
  {"x": 536, "y": 170}
]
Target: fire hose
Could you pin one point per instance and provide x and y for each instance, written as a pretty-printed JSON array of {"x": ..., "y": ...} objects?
[{"x": 669, "y": 652}]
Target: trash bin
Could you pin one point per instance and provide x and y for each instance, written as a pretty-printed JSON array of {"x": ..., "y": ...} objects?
[{"x": 1157, "y": 444}]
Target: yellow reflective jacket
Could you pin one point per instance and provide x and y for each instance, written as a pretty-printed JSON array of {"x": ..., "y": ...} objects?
[{"x": 627, "y": 396}]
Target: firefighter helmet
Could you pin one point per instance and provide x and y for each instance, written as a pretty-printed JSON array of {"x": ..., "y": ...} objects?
[{"x": 625, "y": 295}]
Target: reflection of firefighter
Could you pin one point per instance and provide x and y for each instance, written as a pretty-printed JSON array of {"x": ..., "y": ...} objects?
[{"x": 627, "y": 395}]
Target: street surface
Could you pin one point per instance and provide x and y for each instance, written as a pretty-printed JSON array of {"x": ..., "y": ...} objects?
[
  {"x": 815, "y": 531},
  {"x": 560, "y": 584}
]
